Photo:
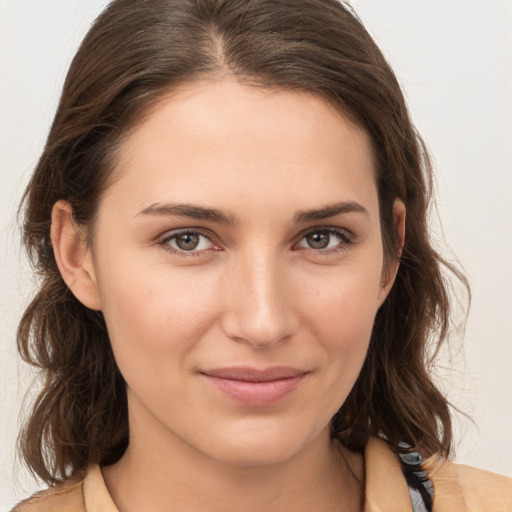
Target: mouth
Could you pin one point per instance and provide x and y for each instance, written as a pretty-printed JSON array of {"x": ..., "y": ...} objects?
[{"x": 252, "y": 387}]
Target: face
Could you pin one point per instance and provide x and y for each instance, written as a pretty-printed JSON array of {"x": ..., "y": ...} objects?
[{"x": 238, "y": 260}]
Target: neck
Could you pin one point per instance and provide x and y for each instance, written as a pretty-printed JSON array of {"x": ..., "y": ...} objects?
[{"x": 163, "y": 473}]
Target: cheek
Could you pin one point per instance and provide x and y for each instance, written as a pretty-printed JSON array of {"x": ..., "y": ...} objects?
[
  {"x": 344, "y": 303},
  {"x": 345, "y": 328},
  {"x": 154, "y": 316},
  {"x": 340, "y": 315}
]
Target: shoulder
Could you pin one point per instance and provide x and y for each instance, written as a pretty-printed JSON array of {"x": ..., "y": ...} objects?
[
  {"x": 67, "y": 496},
  {"x": 460, "y": 487}
]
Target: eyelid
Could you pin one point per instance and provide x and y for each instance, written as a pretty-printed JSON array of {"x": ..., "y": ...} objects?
[
  {"x": 347, "y": 239},
  {"x": 164, "y": 240}
]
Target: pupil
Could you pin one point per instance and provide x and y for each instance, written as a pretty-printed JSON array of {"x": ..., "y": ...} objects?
[
  {"x": 318, "y": 240},
  {"x": 187, "y": 241}
]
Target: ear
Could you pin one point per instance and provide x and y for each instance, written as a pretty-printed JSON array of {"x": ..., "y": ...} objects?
[
  {"x": 390, "y": 268},
  {"x": 73, "y": 256}
]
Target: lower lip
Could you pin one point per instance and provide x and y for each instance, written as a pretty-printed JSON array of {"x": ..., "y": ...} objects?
[{"x": 256, "y": 394}]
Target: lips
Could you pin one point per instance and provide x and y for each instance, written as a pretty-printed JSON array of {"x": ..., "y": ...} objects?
[{"x": 253, "y": 387}]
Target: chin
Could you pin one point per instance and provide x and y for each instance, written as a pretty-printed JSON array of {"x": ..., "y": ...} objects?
[
  {"x": 257, "y": 455},
  {"x": 262, "y": 445}
]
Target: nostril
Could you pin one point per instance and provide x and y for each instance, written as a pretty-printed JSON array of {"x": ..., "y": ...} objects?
[{"x": 259, "y": 328}]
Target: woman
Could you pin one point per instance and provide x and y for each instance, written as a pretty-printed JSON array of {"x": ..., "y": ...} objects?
[{"x": 238, "y": 287}]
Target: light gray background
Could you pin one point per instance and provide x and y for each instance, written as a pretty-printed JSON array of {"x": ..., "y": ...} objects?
[{"x": 454, "y": 59}]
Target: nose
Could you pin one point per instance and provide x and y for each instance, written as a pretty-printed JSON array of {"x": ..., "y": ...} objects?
[{"x": 259, "y": 302}]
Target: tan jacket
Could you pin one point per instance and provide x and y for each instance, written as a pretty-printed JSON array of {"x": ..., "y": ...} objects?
[{"x": 458, "y": 488}]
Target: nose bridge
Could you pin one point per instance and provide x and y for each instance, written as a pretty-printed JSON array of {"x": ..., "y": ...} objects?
[{"x": 259, "y": 309}]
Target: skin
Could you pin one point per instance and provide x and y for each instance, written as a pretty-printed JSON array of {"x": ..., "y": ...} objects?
[{"x": 256, "y": 293}]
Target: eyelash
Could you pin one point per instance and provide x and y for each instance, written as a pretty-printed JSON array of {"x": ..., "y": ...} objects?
[
  {"x": 345, "y": 240},
  {"x": 164, "y": 242},
  {"x": 344, "y": 237}
]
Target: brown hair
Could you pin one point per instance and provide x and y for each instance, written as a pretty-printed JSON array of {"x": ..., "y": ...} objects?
[{"x": 135, "y": 52}]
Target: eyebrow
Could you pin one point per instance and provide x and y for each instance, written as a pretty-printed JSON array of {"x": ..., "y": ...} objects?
[
  {"x": 191, "y": 211},
  {"x": 331, "y": 210},
  {"x": 212, "y": 214}
]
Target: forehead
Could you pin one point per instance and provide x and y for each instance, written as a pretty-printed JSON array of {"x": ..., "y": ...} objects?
[{"x": 219, "y": 139}]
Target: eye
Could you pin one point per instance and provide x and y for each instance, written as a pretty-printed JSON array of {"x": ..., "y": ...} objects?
[
  {"x": 325, "y": 240},
  {"x": 187, "y": 241}
]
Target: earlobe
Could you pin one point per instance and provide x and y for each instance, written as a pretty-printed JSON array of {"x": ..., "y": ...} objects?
[
  {"x": 73, "y": 256},
  {"x": 390, "y": 270}
]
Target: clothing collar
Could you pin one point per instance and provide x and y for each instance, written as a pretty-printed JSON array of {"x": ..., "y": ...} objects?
[
  {"x": 96, "y": 495},
  {"x": 385, "y": 488}
]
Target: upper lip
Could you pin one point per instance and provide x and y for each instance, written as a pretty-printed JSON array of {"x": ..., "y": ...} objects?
[{"x": 248, "y": 374}]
